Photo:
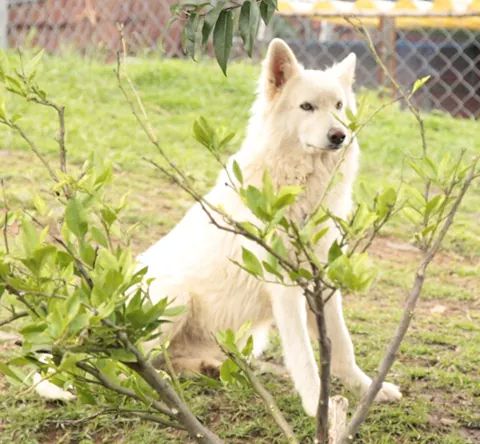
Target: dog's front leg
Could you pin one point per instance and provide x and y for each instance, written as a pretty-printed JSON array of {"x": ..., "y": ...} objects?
[
  {"x": 344, "y": 365},
  {"x": 290, "y": 314}
]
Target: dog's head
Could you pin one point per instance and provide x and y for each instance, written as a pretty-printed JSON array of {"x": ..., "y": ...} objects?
[{"x": 309, "y": 104}]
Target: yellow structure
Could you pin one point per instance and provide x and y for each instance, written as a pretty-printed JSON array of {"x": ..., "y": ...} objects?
[{"x": 447, "y": 7}]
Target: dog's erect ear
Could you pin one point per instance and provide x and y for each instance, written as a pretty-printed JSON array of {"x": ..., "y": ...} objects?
[
  {"x": 279, "y": 66},
  {"x": 346, "y": 70}
]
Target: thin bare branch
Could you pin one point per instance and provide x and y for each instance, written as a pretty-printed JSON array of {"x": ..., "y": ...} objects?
[
  {"x": 116, "y": 411},
  {"x": 105, "y": 381},
  {"x": 14, "y": 317},
  {"x": 6, "y": 210},
  {"x": 392, "y": 349},
  {"x": 19, "y": 130},
  {"x": 267, "y": 398},
  {"x": 407, "y": 97},
  {"x": 146, "y": 370}
]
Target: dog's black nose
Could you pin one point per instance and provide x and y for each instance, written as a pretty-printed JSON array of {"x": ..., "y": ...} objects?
[{"x": 336, "y": 136}]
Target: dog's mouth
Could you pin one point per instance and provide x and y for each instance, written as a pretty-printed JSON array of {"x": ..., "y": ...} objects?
[
  {"x": 329, "y": 147},
  {"x": 334, "y": 147}
]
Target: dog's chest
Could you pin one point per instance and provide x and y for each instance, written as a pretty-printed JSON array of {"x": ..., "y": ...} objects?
[{"x": 314, "y": 175}]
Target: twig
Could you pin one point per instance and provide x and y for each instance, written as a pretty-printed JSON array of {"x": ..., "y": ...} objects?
[
  {"x": 97, "y": 374},
  {"x": 14, "y": 317},
  {"x": 32, "y": 146},
  {"x": 21, "y": 297},
  {"x": 5, "y": 219},
  {"x": 266, "y": 397},
  {"x": 60, "y": 110},
  {"x": 146, "y": 370},
  {"x": 149, "y": 416},
  {"x": 392, "y": 349},
  {"x": 407, "y": 97}
]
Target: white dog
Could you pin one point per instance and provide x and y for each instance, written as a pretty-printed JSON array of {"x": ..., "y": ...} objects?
[{"x": 293, "y": 133}]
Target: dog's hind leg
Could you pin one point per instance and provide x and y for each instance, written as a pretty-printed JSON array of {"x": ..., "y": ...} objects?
[{"x": 194, "y": 350}]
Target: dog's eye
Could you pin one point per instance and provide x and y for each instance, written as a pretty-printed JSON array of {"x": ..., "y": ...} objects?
[
  {"x": 339, "y": 105},
  {"x": 307, "y": 106}
]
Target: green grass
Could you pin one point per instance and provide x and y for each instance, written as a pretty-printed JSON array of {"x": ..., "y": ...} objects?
[{"x": 438, "y": 365}]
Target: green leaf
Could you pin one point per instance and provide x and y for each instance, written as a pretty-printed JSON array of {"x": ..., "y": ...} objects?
[
  {"x": 250, "y": 228},
  {"x": 303, "y": 272},
  {"x": 75, "y": 218},
  {"x": 120, "y": 354},
  {"x": 190, "y": 33},
  {"x": 30, "y": 237},
  {"x": 433, "y": 204},
  {"x": 237, "y": 171},
  {"x": 210, "y": 20},
  {"x": 99, "y": 237},
  {"x": 286, "y": 196},
  {"x": 171, "y": 312},
  {"x": 251, "y": 263},
  {"x": 268, "y": 190},
  {"x": 223, "y": 143},
  {"x": 87, "y": 253},
  {"x": 68, "y": 361},
  {"x": 420, "y": 83},
  {"x": 109, "y": 216},
  {"x": 352, "y": 119},
  {"x": 227, "y": 371},
  {"x": 352, "y": 273},
  {"x": 204, "y": 133},
  {"x": 412, "y": 214},
  {"x": 30, "y": 67},
  {"x": 334, "y": 252},
  {"x": 80, "y": 322},
  {"x": 255, "y": 201},
  {"x": 248, "y": 24},
  {"x": 319, "y": 234},
  {"x": 15, "y": 86},
  {"x": 85, "y": 396},
  {"x": 363, "y": 219},
  {"x": 267, "y": 8},
  {"x": 12, "y": 373},
  {"x": 56, "y": 321},
  {"x": 3, "y": 110},
  {"x": 247, "y": 350},
  {"x": 386, "y": 201},
  {"x": 271, "y": 268},
  {"x": 222, "y": 38},
  {"x": 39, "y": 205}
]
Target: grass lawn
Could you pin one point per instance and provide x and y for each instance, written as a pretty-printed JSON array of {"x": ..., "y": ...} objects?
[{"x": 438, "y": 367}]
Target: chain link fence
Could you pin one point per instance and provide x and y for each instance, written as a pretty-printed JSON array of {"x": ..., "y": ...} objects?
[
  {"x": 91, "y": 25},
  {"x": 444, "y": 44}
]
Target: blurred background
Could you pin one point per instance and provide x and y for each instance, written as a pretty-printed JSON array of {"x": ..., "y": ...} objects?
[{"x": 439, "y": 38}]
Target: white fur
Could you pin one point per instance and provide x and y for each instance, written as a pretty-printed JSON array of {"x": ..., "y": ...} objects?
[{"x": 191, "y": 264}]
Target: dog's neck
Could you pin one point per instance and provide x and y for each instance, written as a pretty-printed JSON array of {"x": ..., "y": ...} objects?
[
  {"x": 285, "y": 159},
  {"x": 289, "y": 164}
]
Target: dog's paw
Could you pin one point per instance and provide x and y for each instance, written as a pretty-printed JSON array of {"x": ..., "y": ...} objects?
[
  {"x": 50, "y": 391},
  {"x": 310, "y": 399},
  {"x": 388, "y": 393},
  {"x": 310, "y": 406},
  {"x": 210, "y": 369}
]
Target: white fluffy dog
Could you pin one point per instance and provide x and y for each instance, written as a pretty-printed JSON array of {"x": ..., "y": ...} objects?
[{"x": 293, "y": 133}]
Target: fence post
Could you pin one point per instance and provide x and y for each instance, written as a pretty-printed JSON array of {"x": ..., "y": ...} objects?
[
  {"x": 3, "y": 23},
  {"x": 388, "y": 50}
]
